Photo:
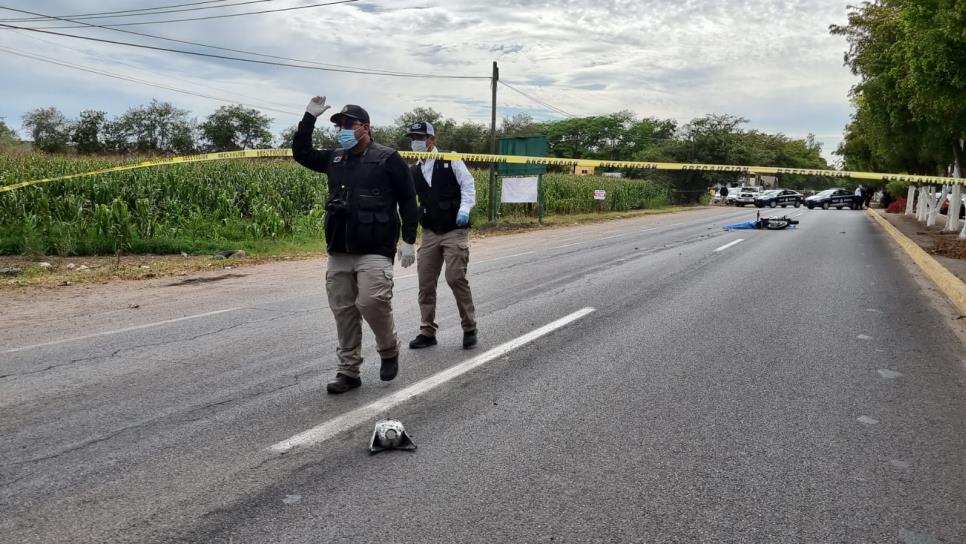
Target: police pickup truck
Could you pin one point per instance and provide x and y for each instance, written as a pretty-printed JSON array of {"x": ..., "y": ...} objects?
[
  {"x": 779, "y": 197},
  {"x": 834, "y": 198},
  {"x": 746, "y": 195}
]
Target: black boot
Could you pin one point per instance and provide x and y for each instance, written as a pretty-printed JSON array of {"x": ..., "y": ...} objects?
[
  {"x": 389, "y": 368},
  {"x": 341, "y": 384},
  {"x": 422, "y": 341},
  {"x": 469, "y": 339}
]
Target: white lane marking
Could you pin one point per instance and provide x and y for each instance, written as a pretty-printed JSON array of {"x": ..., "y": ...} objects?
[
  {"x": 890, "y": 374},
  {"x": 327, "y": 430},
  {"x": 126, "y": 329},
  {"x": 866, "y": 420},
  {"x": 568, "y": 245},
  {"x": 504, "y": 257},
  {"x": 726, "y": 246}
]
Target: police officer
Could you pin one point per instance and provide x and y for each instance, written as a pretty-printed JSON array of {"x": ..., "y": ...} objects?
[
  {"x": 367, "y": 183},
  {"x": 447, "y": 193}
]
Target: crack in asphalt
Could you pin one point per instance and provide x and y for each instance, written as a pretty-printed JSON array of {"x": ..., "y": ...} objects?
[{"x": 75, "y": 447}]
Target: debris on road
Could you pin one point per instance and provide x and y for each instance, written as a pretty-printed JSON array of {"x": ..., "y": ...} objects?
[{"x": 390, "y": 434}]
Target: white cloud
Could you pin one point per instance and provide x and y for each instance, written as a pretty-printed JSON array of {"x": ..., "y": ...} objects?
[{"x": 770, "y": 61}]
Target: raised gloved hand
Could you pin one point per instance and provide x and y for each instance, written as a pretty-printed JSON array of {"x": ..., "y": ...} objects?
[
  {"x": 317, "y": 106},
  {"x": 407, "y": 255},
  {"x": 462, "y": 218}
]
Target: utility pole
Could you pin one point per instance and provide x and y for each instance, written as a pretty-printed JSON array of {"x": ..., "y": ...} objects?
[{"x": 492, "y": 203}]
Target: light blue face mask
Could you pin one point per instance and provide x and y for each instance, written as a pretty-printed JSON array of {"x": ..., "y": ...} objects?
[
  {"x": 347, "y": 138},
  {"x": 419, "y": 146}
]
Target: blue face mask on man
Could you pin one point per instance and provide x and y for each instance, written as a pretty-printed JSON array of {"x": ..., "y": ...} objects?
[{"x": 347, "y": 138}]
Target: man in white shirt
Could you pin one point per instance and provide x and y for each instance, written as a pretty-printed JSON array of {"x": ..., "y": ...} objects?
[{"x": 447, "y": 193}]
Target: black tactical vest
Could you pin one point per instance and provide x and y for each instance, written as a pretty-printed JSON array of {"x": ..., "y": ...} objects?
[
  {"x": 362, "y": 202},
  {"x": 439, "y": 203}
]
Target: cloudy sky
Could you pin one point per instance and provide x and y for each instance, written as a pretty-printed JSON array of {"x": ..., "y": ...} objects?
[{"x": 770, "y": 61}]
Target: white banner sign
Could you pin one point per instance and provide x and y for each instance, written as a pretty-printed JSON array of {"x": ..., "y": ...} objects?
[
  {"x": 600, "y": 194},
  {"x": 519, "y": 190}
]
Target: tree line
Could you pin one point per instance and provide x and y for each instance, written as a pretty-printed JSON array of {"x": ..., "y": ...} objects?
[{"x": 909, "y": 106}]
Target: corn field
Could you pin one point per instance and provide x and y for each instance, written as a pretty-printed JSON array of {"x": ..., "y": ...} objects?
[{"x": 202, "y": 207}]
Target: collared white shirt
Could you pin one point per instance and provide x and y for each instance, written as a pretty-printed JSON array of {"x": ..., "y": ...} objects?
[{"x": 463, "y": 177}]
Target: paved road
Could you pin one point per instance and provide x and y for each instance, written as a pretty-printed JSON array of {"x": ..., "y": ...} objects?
[{"x": 793, "y": 386}]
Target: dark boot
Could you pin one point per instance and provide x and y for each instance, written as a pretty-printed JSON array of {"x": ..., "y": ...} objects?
[
  {"x": 389, "y": 368},
  {"x": 341, "y": 384},
  {"x": 469, "y": 339},
  {"x": 422, "y": 341}
]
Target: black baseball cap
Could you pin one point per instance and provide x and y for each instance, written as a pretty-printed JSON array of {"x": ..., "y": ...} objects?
[
  {"x": 352, "y": 111},
  {"x": 421, "y": 127}
]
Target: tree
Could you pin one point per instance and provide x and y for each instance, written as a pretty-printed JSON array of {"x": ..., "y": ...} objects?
[
  {"x": 520, "y": 124},
  {"x": 910, "y": 109},
  {"x": 86, "y": 133},
  {"x": 467, "y": 137},
  {"x": 8, "y": 138},
  {"x": 158, "y": 127},
  {"x": 235, "y": 127},
  {"x": 934, "y": 74},
  {"x": 49, "y": 129},
  {"x": 322, "y": 138}
]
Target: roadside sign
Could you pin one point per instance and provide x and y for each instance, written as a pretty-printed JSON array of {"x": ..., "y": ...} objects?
[{"x": 600, "y": 194}]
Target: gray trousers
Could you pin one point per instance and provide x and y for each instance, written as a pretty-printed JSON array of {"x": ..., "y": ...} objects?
[
  {"x": 360, "y": 287},
  {"x": 453, "y": 249}
]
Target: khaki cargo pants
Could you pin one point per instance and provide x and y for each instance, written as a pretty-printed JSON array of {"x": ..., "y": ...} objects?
[
  {"x": 360, "y": 287},
  {"x": 452, "y": 248}
]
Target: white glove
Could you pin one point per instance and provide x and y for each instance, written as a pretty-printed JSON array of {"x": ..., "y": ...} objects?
[
  {"x": 407, "y": 255},
  {"x": 317, "y": 106}
]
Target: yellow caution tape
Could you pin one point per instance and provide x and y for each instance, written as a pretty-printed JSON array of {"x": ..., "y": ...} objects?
[{"x": 517, "y": 159}]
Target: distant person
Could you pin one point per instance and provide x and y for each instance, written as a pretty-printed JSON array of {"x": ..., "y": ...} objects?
[
  {"x": 370, "y": 187},
  {"x": 859, "y": 195},
  {"x": 724, "y": 194}
]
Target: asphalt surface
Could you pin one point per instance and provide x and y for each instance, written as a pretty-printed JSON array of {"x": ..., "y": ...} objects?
[{"x": 797, "y": 386}]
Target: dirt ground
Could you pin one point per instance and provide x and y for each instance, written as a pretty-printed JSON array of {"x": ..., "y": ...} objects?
[{"x": 944, "y": 246}]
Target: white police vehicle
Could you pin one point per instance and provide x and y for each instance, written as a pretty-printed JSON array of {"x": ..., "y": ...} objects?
[{"x": 746, "y": 195}]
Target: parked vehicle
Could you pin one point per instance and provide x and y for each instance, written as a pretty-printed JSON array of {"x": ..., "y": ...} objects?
[
  {"x": 746, "y": 195},
  {"x": 779, "y": 197},
  {"x": 944, "y": 209},
  {"x": 834, "y": 198}
]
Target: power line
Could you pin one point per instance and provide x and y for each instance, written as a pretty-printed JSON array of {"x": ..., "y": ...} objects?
[
  {"x": 186, "y": 42},
  {"x": 538, "y": 101},
  {"x": 85, "y": 15},
  {"x": 213, "y": 16},
  {"x": 209, "y": 86},
  {"x": 254, "y": 61},
  {"x": 134, "y": 80},
  {"x": 157, "y": 12}
]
